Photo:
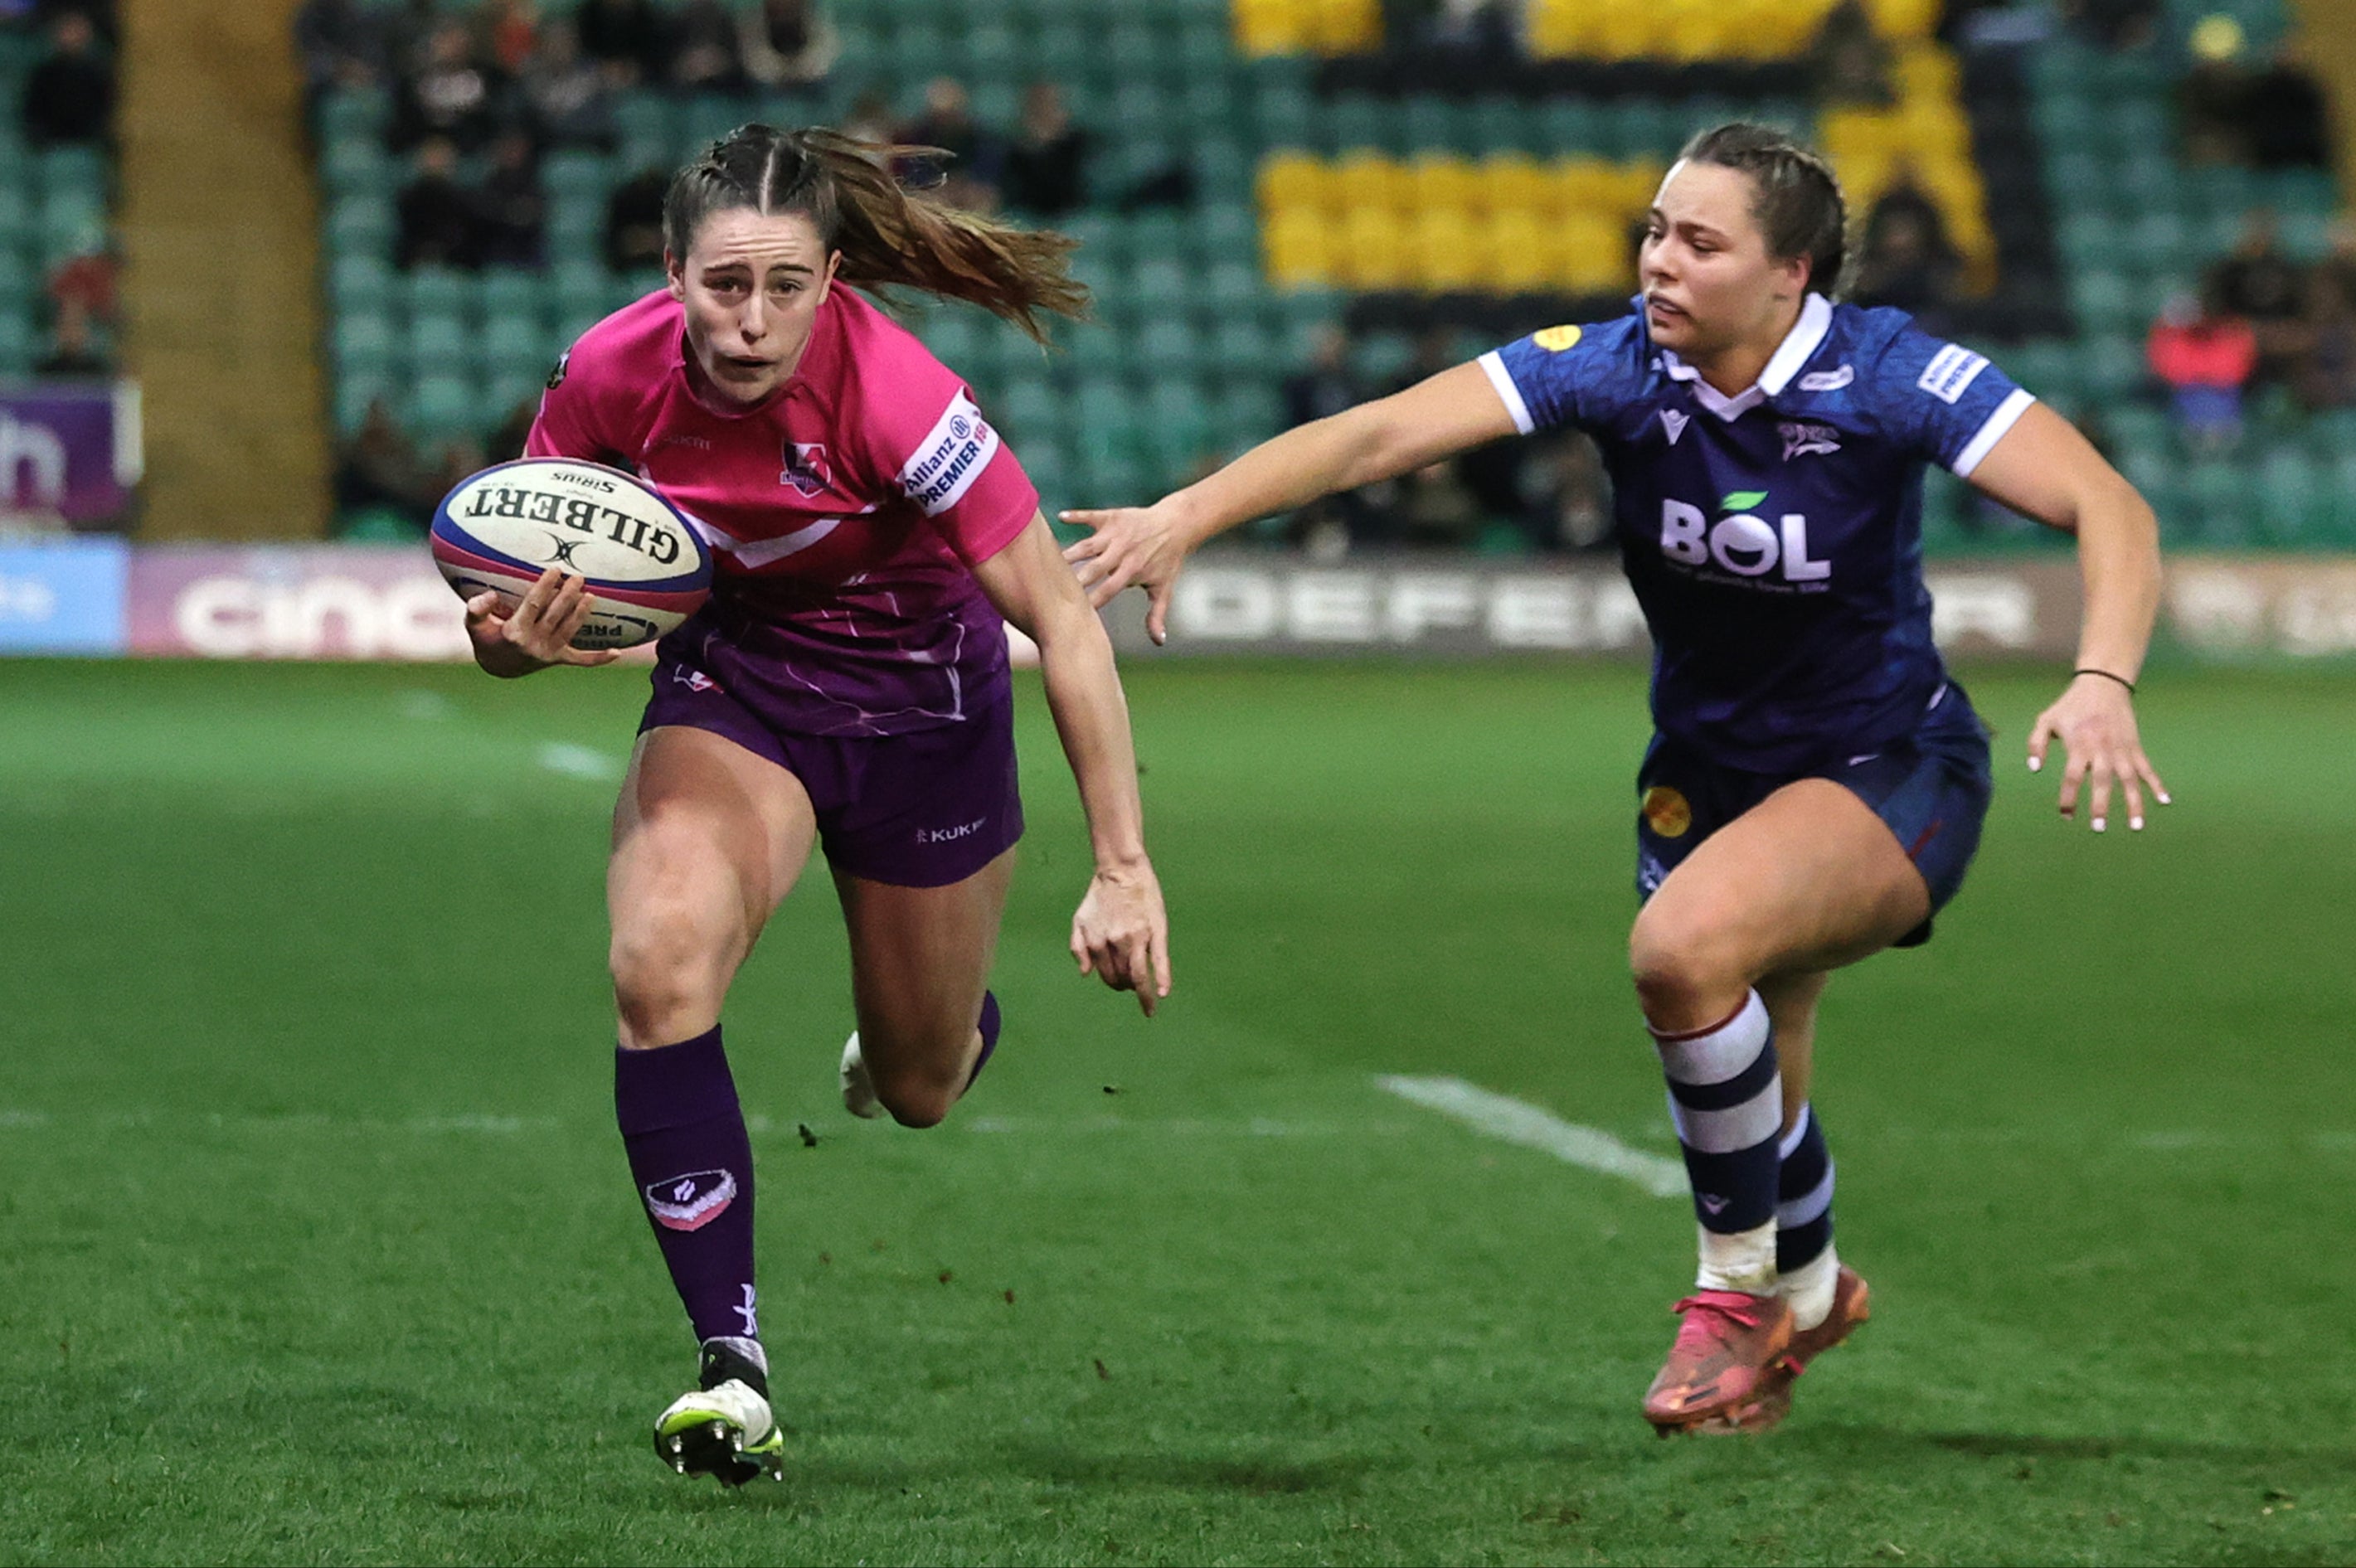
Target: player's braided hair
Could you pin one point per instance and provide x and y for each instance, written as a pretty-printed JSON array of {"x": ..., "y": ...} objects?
[
  {"x": 889, "y": 237},
  {"x": 1799, "y": 204}
]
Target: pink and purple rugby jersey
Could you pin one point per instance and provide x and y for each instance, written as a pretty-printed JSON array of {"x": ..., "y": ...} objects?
[{"x": 845, "y": 514}]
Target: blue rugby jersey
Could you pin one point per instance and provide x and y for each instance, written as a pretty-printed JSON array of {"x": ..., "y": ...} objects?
[{"x": 1775, "y": 537}]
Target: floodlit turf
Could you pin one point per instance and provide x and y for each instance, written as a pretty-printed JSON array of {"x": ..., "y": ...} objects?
[{"x": 316, "y": 1243}]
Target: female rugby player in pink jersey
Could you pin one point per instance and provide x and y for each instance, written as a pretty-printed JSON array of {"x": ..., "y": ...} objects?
[
  {"x": 846, "y": 686},
  {"x": 1815, "y": 788}
]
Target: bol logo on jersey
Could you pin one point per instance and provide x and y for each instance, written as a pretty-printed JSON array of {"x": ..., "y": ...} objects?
[{"x": 1741, "y": 543}]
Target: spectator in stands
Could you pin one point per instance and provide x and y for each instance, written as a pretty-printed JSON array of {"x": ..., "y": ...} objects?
[
  {"x": 785, "y": 44},
  {"x": 512, "y": 210},
  {"x": 2328, "y": 375},
  {"x": 438, "y": 224},
  {"x": 1326, "y": 387},
  {"x": 1905, "y": 258},
  {"x": 1850, "y": 60},
  {"x": 2339, "y": 259},
  {"x": 448, "y": 95},
  {"x": 970, "y": 177},
  {"x": 377, "y": 469},
  {"x": 73, "y": 348},
  {"x": 624, "y": 37},
  {"x": 1047, "y": 162},
  {"x": 703, "y": 37},
  {"x": 69, "y": 96},
  {"x": 1569, "y": 495},
  {"x": 510, "y": 35},
  {"x": 634, "y": 222},
  {"x": 2267, "y": 289},
  {"x": 871, "y": 118},
  {"x": 2114, "y": 23},
  {"x": 567, "y": 95},
  {"x": 2206, "y": 358},
  {"x": 2286, "y": 117},
  {"x": 89, "y": 279},
  {"x": 343, "y": 45},
  {"x": 2213, "y": 95}
]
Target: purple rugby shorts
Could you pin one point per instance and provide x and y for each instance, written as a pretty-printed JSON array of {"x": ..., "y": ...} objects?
[{"x": 919, "y": 810}]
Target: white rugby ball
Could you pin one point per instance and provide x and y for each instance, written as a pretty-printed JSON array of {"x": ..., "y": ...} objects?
[{"x": 646, "y": 569}]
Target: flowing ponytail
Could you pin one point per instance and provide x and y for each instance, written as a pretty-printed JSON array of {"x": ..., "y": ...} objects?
[{"x": 889, "y": 237}]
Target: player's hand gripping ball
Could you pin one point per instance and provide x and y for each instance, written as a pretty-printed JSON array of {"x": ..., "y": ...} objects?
[{"x": 646, "y": 568}]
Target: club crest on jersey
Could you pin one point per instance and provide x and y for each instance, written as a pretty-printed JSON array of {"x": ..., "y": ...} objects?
[
  {"x": 691, "y": 1202},
  {"x": 806, "y": 468},
  {"x": 1674, "y": 423},
  {"x": 1802, "y": 440},
  {"x": 695, "y": 680}
]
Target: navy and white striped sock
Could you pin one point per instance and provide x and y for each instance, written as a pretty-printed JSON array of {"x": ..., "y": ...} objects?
[
  {"x": 1805, "y": 1258},
  {"x": 1726, "y": 1096}
]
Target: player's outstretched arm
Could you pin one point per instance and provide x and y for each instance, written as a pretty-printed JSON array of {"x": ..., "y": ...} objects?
[
  {"x": 1448, "y": 413},
  {"x": 1121, "y": 930},
  {"x": 2044, "y": 469},
  {"x": 539, "y": 632}
]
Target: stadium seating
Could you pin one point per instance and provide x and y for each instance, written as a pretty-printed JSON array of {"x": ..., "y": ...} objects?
[
  {"x": 1311, "y": 185},
  {"x": 56, "y": 203}
]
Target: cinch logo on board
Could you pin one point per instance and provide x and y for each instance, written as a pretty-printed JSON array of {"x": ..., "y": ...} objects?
[
  {"x": 1741, "y": 543},
  {"x": 950, "y": 458}
]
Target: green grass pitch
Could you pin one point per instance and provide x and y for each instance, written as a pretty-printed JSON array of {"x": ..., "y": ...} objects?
[{"x": 318, "y": 1245}]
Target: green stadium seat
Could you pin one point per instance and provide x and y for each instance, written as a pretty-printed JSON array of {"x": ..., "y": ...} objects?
[
  {"x": 1247, "y": 413},
  {"x": 1227, "y": 232},
  {"x": 355, "y": 392},
  {"x": 2219, "y": 494},
  {"x": 2157, "y": 241},
  {"x": 515, "y": 343},
  {"x": 1430, "y": 121},
  {"x": 1240, "y": 348},
  {"x": 1286, "y": 117},
  {"x": 358, "y": 166},
  {"x": 584, "y": 176},
  {"x": 2044, "y": 368},
  {"x": 2140, "y": 427},
  {"x": 1160, "y": 284},
  {"x": 1059, "y": 52},
  {"x": 992, "y": 52},
  {"x": 362, "y": 282},
  {"x": 363, "y": 342},
  {"x": 1206, "y": 106},
  {"x": 1133, "y": 51},
  {"x": 506, "y": 392},
  {"x": 1031, "y": 408},
  {"x": 1201, "y": 49},
  {"x": 1099, "y": 350},
  {"x": 1141, "y": 107},
  {"x": 443, "y": 404},
  {"x": 2106, "y": 303},
  {"x": 1223, "y": 171},
  {"x": 19, "y": 279},
  {"x": 2290, "y": 499},
  {"x": 16, "y": 218},
  {"x": 440, "y": 343},
  {"x": 349, "y": 112},
  {"x": 1168, "y": 347},
  {"x": 2112, "y": 367},
  {"x": 643, "y": 119},
  {"x": 2331, "y": 434},
  {"x": 439, "y": 290},
  {"x": 954, "y": 337},
  {"x": 511, "y": 293},
  {"x": 1354, "y": 122},
  {"x": 1230, "y": 289},
  {"x": 360, "y": 225},
  {"x": 1495, "y": 125},
  {"x": 1568, "y": 125}
]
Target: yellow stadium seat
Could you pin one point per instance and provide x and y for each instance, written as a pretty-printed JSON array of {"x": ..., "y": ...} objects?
[
  {"x": 1520, "y": 251},
  {"x": 1626, "y": 32},
  {"x": 1299, "y": 247},
  {"x": 1295, "y": 179},
  {"x": 1369, "y": 179},
  {"x": 1591, "y": 253},
  {"x": 1904, "y": 19},
  {"x": 1271, "y": 27},
  {"x": 1373, "y": 252},
  {"x": 1575, "y": 184},
  {"x": 1348, "y": 27},
  {"x": 1512, "y": 181},
  {"x": 1438, "y": 180},
  {"x": 1449, "y": 250}
]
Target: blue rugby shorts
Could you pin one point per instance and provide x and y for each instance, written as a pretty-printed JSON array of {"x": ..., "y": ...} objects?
[{"x": 1931, "y": 787}]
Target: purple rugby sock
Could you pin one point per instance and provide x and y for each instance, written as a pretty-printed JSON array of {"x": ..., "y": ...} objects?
[
  {"x": 693, "y": 1163},
  {"x": 987, "y": 1024}
]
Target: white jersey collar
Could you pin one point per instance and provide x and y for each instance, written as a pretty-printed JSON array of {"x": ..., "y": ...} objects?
[{"x": 1807, "y": 334}]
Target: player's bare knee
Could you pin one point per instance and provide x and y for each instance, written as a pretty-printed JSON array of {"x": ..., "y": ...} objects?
[
  {"x": 664, "y": 962},
  {"x": 1679, "y": 964},
  {"x": 915, "y": 1098}
]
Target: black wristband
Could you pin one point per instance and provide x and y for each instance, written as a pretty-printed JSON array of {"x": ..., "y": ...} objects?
[{"x": 2106, "y": 675}]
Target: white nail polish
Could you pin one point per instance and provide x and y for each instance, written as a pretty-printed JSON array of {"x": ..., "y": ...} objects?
[
  {"x": 2165, "y": 801},
  {"x": 2098, "y": 824},
  {"x": 2035, "y": 763},
  {"x": 2134, "y": 824}
]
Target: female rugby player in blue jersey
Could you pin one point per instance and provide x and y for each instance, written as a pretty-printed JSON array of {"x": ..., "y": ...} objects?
[{"x": 1816, "y": 784}]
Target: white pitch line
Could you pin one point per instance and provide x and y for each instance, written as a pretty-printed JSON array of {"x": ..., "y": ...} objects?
[
  {"x": 1519, "y": 1122},
  {"x": 578, "y": 761}
]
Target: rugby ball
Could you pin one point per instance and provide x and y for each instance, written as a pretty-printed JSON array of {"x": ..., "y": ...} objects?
[{"x": 647, "y": 568}]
